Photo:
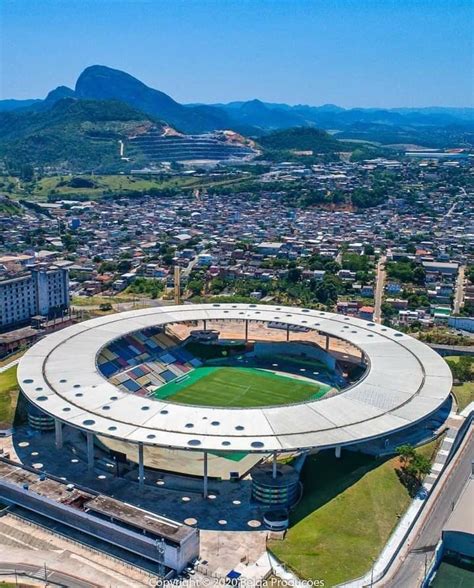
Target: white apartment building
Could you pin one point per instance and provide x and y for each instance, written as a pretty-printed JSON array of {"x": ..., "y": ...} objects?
[{"x": 42, "y": 291}]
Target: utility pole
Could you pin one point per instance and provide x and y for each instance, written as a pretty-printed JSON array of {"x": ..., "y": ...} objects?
[
  {"x": 177, "y": 285},
  {"x": 160, "y": 548}
]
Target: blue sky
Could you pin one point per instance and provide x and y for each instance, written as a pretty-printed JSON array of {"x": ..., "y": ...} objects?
[{"x": 349, "y": 52}]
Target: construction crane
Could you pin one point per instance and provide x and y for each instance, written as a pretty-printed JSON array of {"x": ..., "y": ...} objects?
[{"x": 177, "y": 284}]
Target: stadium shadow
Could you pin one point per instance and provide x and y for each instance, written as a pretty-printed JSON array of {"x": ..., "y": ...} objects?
[{"x": 324, "y": 477}]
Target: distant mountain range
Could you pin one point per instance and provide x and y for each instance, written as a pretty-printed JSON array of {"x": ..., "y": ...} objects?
[
  {"x": 83, "y": 126},
  {"x": 253, "y": 117}
]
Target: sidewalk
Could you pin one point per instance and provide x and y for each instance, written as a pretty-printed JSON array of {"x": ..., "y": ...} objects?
[{"x": 9, "y": 365}]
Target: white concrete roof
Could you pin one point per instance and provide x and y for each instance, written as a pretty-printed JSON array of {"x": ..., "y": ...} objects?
[{"x": 405, "y": 382}]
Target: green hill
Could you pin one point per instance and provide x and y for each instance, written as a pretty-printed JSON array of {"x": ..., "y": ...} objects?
[
  {"x": 301, "y": 139},
  {"x": 76, "y": 134}
]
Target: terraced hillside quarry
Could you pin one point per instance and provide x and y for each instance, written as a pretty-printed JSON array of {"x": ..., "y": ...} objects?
[{"x": 154, "y": 146}]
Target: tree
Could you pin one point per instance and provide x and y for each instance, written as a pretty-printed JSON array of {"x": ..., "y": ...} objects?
[
  {"x": 369, "y": 249},
  {"x": 327, "y": 290},
  {"x": 27, "y": 173},
  {"x": 419, "y": 275},
  {"x": 387, "y": 310},
  {"x": 355, "y": 262},
  {"x": 68, "y": 242},
  {"x": 195, "y": 286},
  {"x": 414, "y": 466},
  {"x": 463, "y": 369},
  {"x": 418, "y": 467},
  {"x": 406, "y": 453},
  {"x": 124, "y": 266},
  {"x": 294, "y": 275},
  {"x": 107, "y": 267}
]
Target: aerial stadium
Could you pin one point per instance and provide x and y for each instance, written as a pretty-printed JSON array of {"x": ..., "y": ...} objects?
[
  {"x": 221, "y": 385},
  {"x": 140, "y": 421}
]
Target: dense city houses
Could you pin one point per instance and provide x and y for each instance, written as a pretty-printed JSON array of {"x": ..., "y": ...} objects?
[{"x": 259, "y": 245}]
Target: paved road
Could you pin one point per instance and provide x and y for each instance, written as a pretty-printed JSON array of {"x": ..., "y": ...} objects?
[
  {"x": 185, "y": 272},
  {"x": 379, "y": 288},
  {"x": 53, "y": 577},
  {"x": 452, "y": 209},
  {"x": 411, "y": 572},
  {"x": 459, "y": 294}
]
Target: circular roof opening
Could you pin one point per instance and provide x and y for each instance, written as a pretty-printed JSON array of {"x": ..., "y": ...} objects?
[{"x": 257, "y": 444}]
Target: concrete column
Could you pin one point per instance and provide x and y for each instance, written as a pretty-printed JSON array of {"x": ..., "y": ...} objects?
[
  {"x": 90, "y": 451},
  {"x": 274, "y": 465},
  {"x": 338, "y": 451},
  {"x": 204, "y": 487},
  {"x": 204, "y": 322},
  {"x": 287, "y": 332},
  {"x": 141, "y": 467},
  {"x": 327, "y": 342},
  {"x": 58, "y": 427},
  {"x": 246, "y": 331}
]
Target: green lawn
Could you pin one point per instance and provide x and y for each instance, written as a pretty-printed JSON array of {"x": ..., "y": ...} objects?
[
  {"x": 96, "y": 300},
  {"x": 39, "y": 190},
  {"x": 464, "y": 394},
  {"x": 238, "y": 387},
  {"x": 348, "y": 510},
  {"x": 8, "y": 397}
]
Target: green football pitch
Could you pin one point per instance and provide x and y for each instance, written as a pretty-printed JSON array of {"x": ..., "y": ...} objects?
[{"x": 238, "y": 387}]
